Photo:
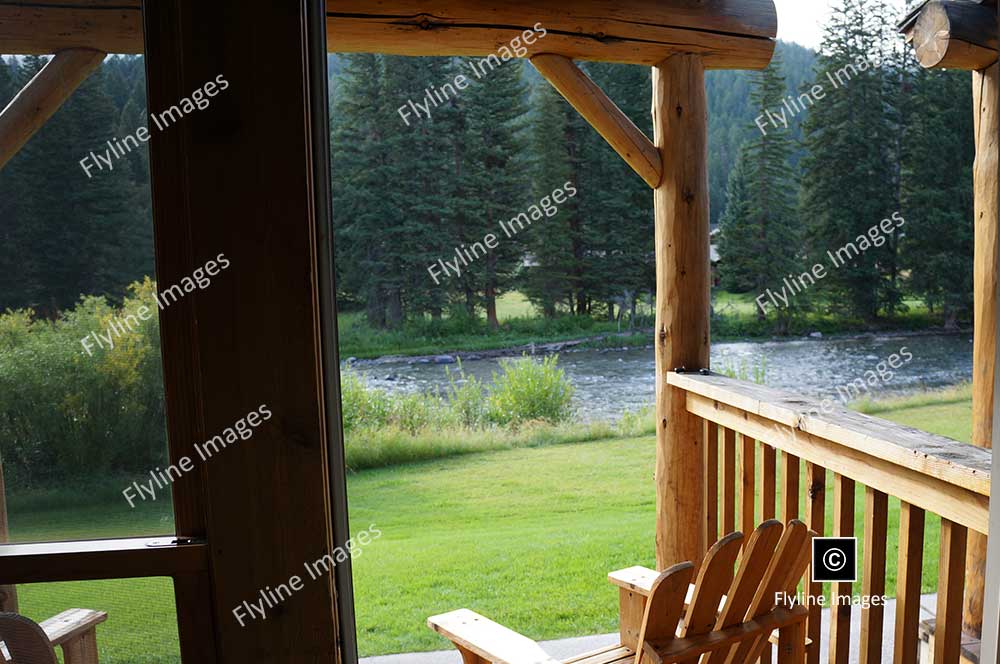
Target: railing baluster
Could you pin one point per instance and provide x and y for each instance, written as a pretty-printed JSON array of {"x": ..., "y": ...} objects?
[
  {"x": 748, "y": 453},
  {"x": 711, "y": 434},
  {"x": 790, "y": 490},
  {"x": 816, "y": 497},
  {"x": 843, "y": 526},
  {"x": 951, "y": 586},
  {"x": 873, "y": 574},
  {"x": 768, "y": 481},
  {"x": 728, "y": 481},
  {"x": 911, "y": 562}
]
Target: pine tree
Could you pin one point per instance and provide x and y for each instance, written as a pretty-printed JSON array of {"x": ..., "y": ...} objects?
[
  {"x": 495, "y": 177},
  {"x": 850, "y": 181},
  {"x": 937, "y": 200},
  {"x": 359, "y": 159},
  {"x": 760, "y": 242}
]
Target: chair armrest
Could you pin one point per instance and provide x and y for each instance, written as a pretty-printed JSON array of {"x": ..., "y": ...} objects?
[
  {"x": 70, "y": 624},
  {"x": 637, "y": 579},
  {"x": 493, "y": 642}
]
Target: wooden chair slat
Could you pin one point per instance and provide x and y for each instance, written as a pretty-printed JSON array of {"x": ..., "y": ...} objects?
[
  {"x": 816, "y": 508},
  {"x": 714, "y": 579},
  {"x": 783, "y": 572},
  {"x": 711, "y": 434},
  {"x": 873, "y": 576},
  {"x": 911, "y": 563},
  {"x": 665, "y": 605}
]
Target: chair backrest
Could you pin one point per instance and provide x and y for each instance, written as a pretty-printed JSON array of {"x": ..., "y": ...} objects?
[
  {"x": 25, "y": 641},
  {"x": 773, "y": 560}
]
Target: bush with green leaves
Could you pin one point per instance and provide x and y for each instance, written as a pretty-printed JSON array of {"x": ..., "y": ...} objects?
[
  {"x": 66, "y": 414},
  {"x": 527, "y": 390}
]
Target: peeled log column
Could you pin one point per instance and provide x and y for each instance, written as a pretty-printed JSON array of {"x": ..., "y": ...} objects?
[
  {"x": 985, "y": 97},
  {"x": 955, "y": 35},
  {"x": 680, "y": 122}
]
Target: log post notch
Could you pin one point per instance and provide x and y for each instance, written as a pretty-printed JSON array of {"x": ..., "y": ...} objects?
[
  {"x": 603, "y": 115},
  {"x": 681, "y": 205},
  {"x": 44, "y": 94}
]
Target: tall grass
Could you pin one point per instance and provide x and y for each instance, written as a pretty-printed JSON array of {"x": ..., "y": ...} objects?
[{"x": 528, "y": 404}]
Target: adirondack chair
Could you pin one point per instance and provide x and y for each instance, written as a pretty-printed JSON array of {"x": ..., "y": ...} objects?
[
  {"x": 725, "y": 617},
  {"x": 23, "y": 641}
]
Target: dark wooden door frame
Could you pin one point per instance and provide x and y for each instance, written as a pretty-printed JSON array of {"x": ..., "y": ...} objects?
[{"x": 248, "y": 177}]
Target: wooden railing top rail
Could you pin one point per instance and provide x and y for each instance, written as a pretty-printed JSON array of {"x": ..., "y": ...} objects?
[{"x": 939, "y": 474}]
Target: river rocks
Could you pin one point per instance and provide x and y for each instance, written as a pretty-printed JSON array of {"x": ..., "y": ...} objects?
[
  {"x": 815, "y": 335},
  {"x": 443, "y": 359}
]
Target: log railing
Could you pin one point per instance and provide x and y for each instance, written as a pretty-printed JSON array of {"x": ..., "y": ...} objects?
[{"x": 768, "y": 454}]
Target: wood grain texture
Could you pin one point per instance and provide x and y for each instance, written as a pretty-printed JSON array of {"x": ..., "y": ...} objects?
[
  {"x": 603, "y": 115},
  {"x": 922, "y": 489},
  {"x": 790, "y": 486},
  {"x": 951, "y": 584},
  {"x": 909, "y": 570},
  {"x": 955, "y": 35},
  {"x": 935, "y": 456},
  {"x": 727, "y": 33},
  {"x": 816, "y": 513},
  {"x": 843, "y": 526},
  {"x": 986, "y": 183},
  {"x": 44, "y": 94},
  {"x": 683, "y": 281},
  {"x": 873, "y": 574},
  {"x": 711, "y": 434},
  {"x": 487, "y": 640},
  {"x": 237, "y": 179},
  {"x": 729, "y": 464},
  {"x": 768, "y": 482},
  {"x": 748, "y": 454}
]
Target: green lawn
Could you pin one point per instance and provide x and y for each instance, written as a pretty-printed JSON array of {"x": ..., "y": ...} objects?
[{"x": 525, "y": 536}]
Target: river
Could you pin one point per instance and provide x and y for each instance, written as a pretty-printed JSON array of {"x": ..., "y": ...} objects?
[{"x": 610, "y": 382}]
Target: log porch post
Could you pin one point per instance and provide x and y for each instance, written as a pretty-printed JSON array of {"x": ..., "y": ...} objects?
[
  {"x": 985, "y": 88},
  {"x": 683, "y": 284}
]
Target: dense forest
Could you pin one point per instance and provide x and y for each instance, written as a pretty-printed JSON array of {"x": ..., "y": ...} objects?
[
  {"x": 412, "y": 193},
  {"x": 47, "y": 263}
]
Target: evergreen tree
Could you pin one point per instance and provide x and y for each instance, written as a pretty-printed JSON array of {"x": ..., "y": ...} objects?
[
  {"x": 937, "y": 199},
  {"x": 494, "y": 176},
  {"x": 359, "y": 159},
  {"x": 760, "y": 242},
  {"x": 850, "y": 181},
  {"x": 548, "y": 280}
]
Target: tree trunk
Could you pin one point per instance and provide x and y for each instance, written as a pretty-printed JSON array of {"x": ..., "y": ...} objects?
[{"x": 395, "y": 313}]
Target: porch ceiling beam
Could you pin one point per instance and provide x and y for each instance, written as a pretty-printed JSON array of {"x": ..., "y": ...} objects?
[
  {"x": 953, "y": 34},
  {"x": 42, "y": 96},
  {"x": 727, "y": 34},
  {"x": 602, "y": 114}
]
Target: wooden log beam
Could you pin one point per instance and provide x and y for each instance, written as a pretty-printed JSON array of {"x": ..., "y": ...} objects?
[
  {"x": 954, "y": 34},
  {"x": 42, "y": 96},
  {"x": 683, "y": 280},
  {"x": 602, "y": 114},
  {"x": 728, "y": 34}
]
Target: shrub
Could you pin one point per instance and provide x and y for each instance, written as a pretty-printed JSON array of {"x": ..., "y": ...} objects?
[
  {"x": 529, "y": 390},
  {"x": 362, "y": 406},
  {"x": 466, "y": 397}
]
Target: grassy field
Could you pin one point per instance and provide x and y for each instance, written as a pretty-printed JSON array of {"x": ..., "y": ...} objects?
[{"x": 525, "y": 536}]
